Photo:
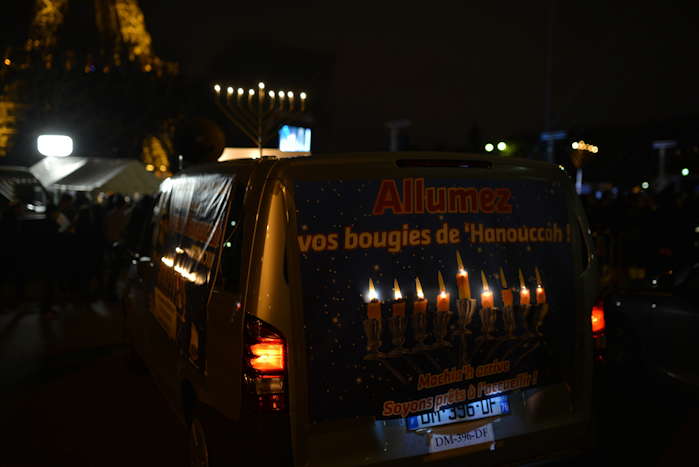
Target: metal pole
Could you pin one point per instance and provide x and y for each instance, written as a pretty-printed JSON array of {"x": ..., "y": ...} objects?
[
  {"x": 549, "y": 81},
  {"x": 578, "y": 180},
  {"x": 661, "y": 168}
]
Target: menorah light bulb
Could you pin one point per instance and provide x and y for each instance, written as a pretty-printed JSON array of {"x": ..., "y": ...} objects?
[
  {"x": 302, "y": 95},
  {"x": 290, "y": 94},
  {"x": 229, "y": 90},
  {"x": 261, "y": 85},
  {"x": 217, "y": 88},
  {"x": 241, "y": 91},
  {"x": 281, "y": 94},
  {"x": 270, "y": 93},
  {"x": 251, "y": 92}
]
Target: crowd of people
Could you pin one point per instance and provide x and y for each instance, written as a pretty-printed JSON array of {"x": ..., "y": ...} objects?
[
  {"x": 641, "y": 234},
  {"x": 72, "y": 255}
]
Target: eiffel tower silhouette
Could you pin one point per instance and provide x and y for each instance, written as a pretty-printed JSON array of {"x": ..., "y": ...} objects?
[
  {"x": 79, "y": 36},
  {"x": 104, "y": 33}
]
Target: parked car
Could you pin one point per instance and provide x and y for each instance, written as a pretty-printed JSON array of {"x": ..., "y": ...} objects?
[
  {"x": 19, "y": 185},
  {"x": 656, "y": 326},
  {"x": 382, "y": 309}
]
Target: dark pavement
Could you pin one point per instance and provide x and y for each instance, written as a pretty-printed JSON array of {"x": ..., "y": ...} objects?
[{"x": 69, "y": 398}]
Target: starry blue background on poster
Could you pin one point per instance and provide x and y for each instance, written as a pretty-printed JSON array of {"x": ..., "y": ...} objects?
[{"x": 335, "y": 283}]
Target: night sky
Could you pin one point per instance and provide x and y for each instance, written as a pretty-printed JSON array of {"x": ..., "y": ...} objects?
[{"x": 444, "y": 65}]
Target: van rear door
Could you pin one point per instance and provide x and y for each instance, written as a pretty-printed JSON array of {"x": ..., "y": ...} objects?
[{"x": 435, "y": 302}]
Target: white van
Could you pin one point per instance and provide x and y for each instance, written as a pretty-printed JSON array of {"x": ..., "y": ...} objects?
[{"x": 370, "y": 309}]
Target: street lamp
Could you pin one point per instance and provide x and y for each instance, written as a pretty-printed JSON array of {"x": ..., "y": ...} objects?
[
  {"x": 260, "y": 115},
  {"x": 580, "y": 150},
  {"x": 55, "y": 145}
]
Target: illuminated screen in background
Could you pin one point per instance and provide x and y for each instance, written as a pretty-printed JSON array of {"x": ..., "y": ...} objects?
[{"x": 294, "y": 139}]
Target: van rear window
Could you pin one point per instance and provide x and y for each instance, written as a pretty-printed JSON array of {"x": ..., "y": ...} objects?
[{"x": 420, "y": 294}]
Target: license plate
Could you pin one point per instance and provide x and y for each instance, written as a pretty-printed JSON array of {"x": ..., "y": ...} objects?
[
  {"x": 472, "y": 411},
  {"x": 480, "y": 435}
]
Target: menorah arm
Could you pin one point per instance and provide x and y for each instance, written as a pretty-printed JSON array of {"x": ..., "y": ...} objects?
[{"x": 240, "y": 124}]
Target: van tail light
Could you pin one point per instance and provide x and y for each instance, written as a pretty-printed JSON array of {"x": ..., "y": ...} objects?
[
  {"x": 265, "y": 374},
  {"x": 597, "y": 318},
  {"x": 598, "y": 328}
]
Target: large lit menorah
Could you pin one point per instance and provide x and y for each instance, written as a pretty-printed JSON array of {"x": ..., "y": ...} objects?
[{"x": 258, "y": 114}]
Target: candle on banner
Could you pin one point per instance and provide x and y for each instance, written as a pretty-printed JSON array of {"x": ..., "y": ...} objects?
[
  {"x": 507, "y": 299},
  {"x": 443, "y": 297},
  {"x": 486, "y": 295},
  {"x": 420, "y": 304},
  {"x": 398, "y": 305},
  {"x": 462, "y": 282},
  {"x": 524, "y": 296},
  {"x": 540, "y": 292},
  {"x": 374, "y": 305}
]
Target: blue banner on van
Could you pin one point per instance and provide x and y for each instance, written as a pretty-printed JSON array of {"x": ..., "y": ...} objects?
[{"x": 421, "y": 294}]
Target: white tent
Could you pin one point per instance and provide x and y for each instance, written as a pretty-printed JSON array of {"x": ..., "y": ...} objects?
[{"x": 125, "y": 176}]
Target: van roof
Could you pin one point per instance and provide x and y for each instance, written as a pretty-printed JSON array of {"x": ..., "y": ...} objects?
[{"x": 423, "y": 158}]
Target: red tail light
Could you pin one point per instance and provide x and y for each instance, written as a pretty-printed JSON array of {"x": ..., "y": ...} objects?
[
  {"x": 268, "y": 355},
  {"x": 265, "y": 365},
  {"x": 597, "y": 318}
]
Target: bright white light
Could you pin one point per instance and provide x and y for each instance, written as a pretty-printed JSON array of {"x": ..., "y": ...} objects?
[
  {"x": 261, "y": 85},
  {"x": 290, "y": 94},
  {"x": 229, "y": 90},
  {"x": 685, "y": 172},
  {"x": 55, "y": 145},
  {"x": 281, "y": 94},
  {"x": 489, "y": 147},
  {"x": 217, "y": 88},
  {"x": 575, "y": 145},
  {"x": 293, "y": 138},
  {"x": 241, "y": 91},
  {"x": 645, "y": 185},
  {"x": 251, "y": 92},
  {"x": 270, "y": 93},
  {"x": 502, "y": 146},
  {"x": 302, "y": 95}
]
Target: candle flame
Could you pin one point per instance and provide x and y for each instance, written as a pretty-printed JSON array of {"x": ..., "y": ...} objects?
[
  {"x": 459, "y": 263},
  {"x": 169, "y": 262},
  {"x": 396, "y": 290},
  {"x": 538, "y": 277},
  {"x": 372, "y": 291},
  {"x": 442, "y": 287},
  {"x": 443, "y": 294},
  {"x": 418, "y": 288},
  {"x": 503, "y": 279},
  {"x": 486, "y": 288},
  {"x": 522, "y": 284}
]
